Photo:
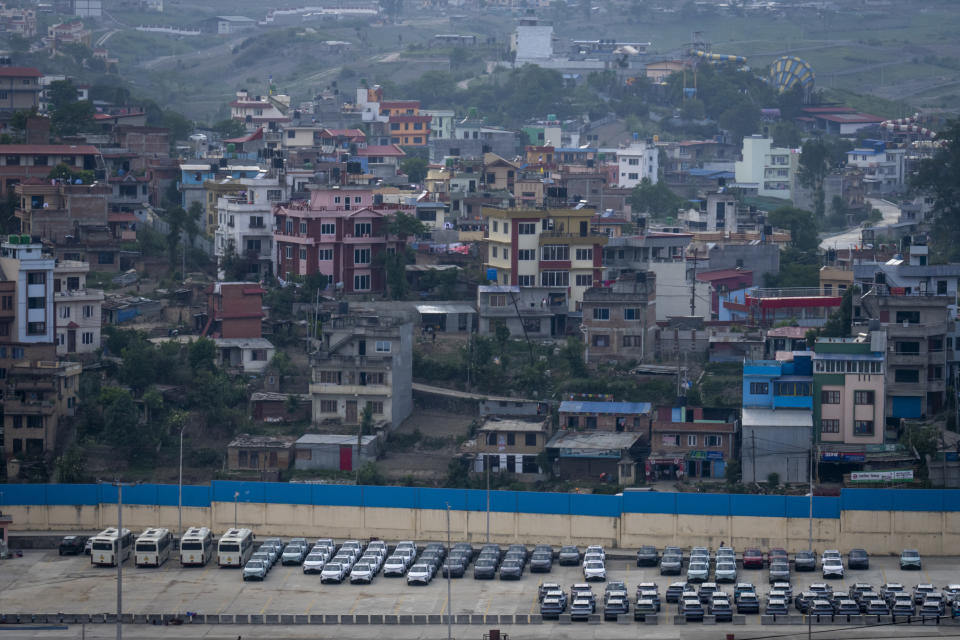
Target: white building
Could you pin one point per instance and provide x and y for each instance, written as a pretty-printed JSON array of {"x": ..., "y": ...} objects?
[
  {"x": 533, "y": 44},
  {"x": 88, "y": 8},
  {"x": 248, "y": 355},
  {"x": 718, "y": 213},
  {"x": 78, "y": 309},
  {"x": 257, "y": 111},
  {"x": 441, "y": 124},
  {"x": 246, "y": 223},
  {"x": 766, "y": 168},
  {"x": 883, "y": 168},
  {"x": 33, "y": 272},
  {"x": 638, "y": 161}
]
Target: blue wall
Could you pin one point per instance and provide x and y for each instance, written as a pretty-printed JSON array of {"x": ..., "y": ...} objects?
[{"x": 709, "y": 504}]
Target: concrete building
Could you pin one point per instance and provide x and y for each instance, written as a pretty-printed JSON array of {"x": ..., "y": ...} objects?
[
  {"x": 441, "y": 123},
  {"x": 234, "y": 310},
  {"x": 228, "y": 25},
  {"x": 777, "y": 425},
  {"x": 23, "y": 161},
  {"x": 248, "y": 356},
  {"x": 61, "y": 213},
  {"x": 534, "y": 312},
  {"x": 598, "y": 456},
  {"x": 246, "y": 224},
  {"x": 335, "y": 452},
  {"x": 620, "y": 320},
  {"x": 39, "y": 395},
  {"x": 547, "y": 248},
  {"x": 802, "y": 306},
  {"x": 700, "y": 442},
  {"x": 267, "y": 455},
  {"x": 364, "y": 358},
  {"x": 638, "y": 161},
  {"x": 718, "y": 212},
  {"x": 78, "y": 309},
  {"x": 835, "y": 280},
  {"x": 849, "y": 396},
  {"x": 766, "y": 168},
  {"x": 883, "y": 168},
  {"x": 759, "y": 257},
  {"x": 260, "y": 111},
  {"x": 580, "y": 415},
  {"x": 32, "y": 270},
  {"x": 19, "y": 89},
  {"x": 510, "y": 446}
]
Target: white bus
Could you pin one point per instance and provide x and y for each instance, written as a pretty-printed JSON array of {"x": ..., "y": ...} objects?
[
  {"x": 107, "y": 546},
  {"x": 196, "y": 547},
  {"x": 235, "y": 548},
  {"x": 153, "y": 547}
]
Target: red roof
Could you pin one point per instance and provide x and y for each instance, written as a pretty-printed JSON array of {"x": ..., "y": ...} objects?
[
  {"x": 48, "y": 149},
  {"x": 723, "y": 274},
  {"x": 256, "y": 135},
  {"x": 850, "y": 118},
  {"x": 121, "y": 217},
  {"x": 828, "y": 109},
  {"x": 380, "y": 150},
  {"x": 399, "y": 104},
  {"x": 347, "y": 133},
  {"x": 19, "y": 72}
]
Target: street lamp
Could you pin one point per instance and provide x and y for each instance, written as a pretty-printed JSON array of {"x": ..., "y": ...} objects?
[
  {"x": 449, "y": 600},
  {"x": 236, "y": 499},
  {"x": 180, "y": 488},
  {"x": 119, "y": 552}
]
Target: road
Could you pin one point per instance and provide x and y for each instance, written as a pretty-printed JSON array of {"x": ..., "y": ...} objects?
[{"x": 851, "y": 237}]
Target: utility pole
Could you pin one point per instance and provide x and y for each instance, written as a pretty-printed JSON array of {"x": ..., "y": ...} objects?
[
  {"x": 753, "y": 453},
  {"x": 486, "y": 461},
  {"x": 119, "y": 559},
  {"x": 449, "y": 599},
  {"x": 812, "y": 457},
  {"x": 693, "y": 286}
]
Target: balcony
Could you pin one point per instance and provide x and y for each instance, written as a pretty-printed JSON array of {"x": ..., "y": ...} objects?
[
  {"x": 906, "y": 358},
  {"x": 19, "y": 407},
  {"x": 565, "y": 235},
  {"x": 362, "y": 390}
]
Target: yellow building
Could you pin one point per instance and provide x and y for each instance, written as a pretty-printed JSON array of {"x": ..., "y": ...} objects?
[
  {"x": 544, "y": 248},
  {"x": 216, "y": 189},
  {"x": 834, "y": 281}
]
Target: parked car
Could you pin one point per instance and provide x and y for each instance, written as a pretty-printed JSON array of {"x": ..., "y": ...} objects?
[
  {"x": 455, "y": 566},
  {"x": 644, "y": 608},
  {"x": 903, "y": 607},
  {"x": 546, "y": 587},
  {"x": 698, "y": 571},
  {"x": 748, "y": 602},
  {"x": 889, "y": 590},
  {"x": 779, "y": 570},
  {"x": 910, "y": 559},
  {"x": 674, "y": 591},
  {"x": 595, "y": 548},
  {"x": 616, "y": 606},
  {"x": 921, "y": 591},
  {"x": 333, "y": 572},
  {"x": 858, "y": 559},
  {"x": 847, "y": 607},
  {"x": 362, "y": 573},
  {"x": 691, "y": 609},
  {"x": 594, "y": 570},
  {"x": 752, "y": 559},
  {"x": 832, "y": 568},
  {"x": 293, "y": 553},
  {"x": 485, "y": 569},
  {"x": 511, "y": 569},
  {"x": 803, "y": 600},
  {"x": 568, "y": 556},
  {"x": 254, "y": 570},
  {"x": 931, "y": 609},
  {"x": 820, "y": 607},
  {"x": 776, "y": 607},
  {"x": 72, "y": 545},
  {"x": 647, "y": 556},
  {"x": 706, "y": 591},
  {"x": 876, "y": 608},
  {"x": 581, "y": 609},
  {"x": 725, "y": 571},
  {"x": 395, "y": 566},
  {"x": 720, "y": 609},
  {"x": 419, "y": 573},
  {"x": 805, "y": 561},
  {"x": 743, "y": 587},
  {"x": 552, "y": 607},
  {"x": 671, "y": 564},
  {"x": 784, "y": 588},
  {"x": 541, "y": 562},
  {"x": 314, "y": 562}
]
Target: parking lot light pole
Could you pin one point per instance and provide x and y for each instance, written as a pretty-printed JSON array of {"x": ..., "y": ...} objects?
[
  {"x": 118, "y": 556},
  {"x": 236, "y": 499},
  {"x": 449, "y": 600},
  {"x": 486, "y": 460},
  {"x": 180, "y": 489}
]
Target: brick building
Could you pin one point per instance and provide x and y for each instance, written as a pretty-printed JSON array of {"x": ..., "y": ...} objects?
[
  {"x": 60, "y": 213},
  {"x": 234, "y": 310},
  {"x": 19, "y": 89},
  {"x": 22, "y": 161},
  {"x": 509, "y": 445},
  {"x": 620, "y": 321},
  {"x": 698, "y": 441},
  {"x": 605, "y": 416}
]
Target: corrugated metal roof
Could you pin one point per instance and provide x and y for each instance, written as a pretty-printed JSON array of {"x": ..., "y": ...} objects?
[
  {"x": 777, "y": 418},
  {"x": 333, "y": 439},
  {"x": 593, "y": 440},
  {"x": 513, "y": 425},
  {"x": 575, "y": 406},
  {"x": 445, "y": 308}
]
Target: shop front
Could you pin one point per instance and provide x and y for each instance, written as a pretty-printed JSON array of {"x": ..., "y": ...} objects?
[{"x": 705, "y": 464}]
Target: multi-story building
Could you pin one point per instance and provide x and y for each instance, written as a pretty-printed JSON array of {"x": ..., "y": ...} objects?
[
  {"x": 588, "y": 415},
  {"x": 532, "y": 312},
  {"x": 260, "y": 111},
  {"x": 200, "y": 182},
  {"x": 638, "y": 161},
  {"x": 363, "y": 358},
  {"x": 547, "y": 248},
  {"x": 23, "y": 161},
  {"x": 918, "y": 348},
  {"x": 766, "y": 168},
  {"x": 698, "y": 441},
  {"x": 835, "y": 281},
  {"x": 620, "y": 320},
  {"x": 718, "y": 212},
  {"x": 39, "y": 394},
  {"x": 67, "y": 33},
  {"x": 22, "y": 22},
  {"x": 234, "y": 310},
  {"x": 510, "y": 445},
  {"x": 341, "y": 234},
  {"x": 883, "y": 168},
  {"x": 246, "y": 224},
  {"x": 441, "y": 122},
  {"x": 777, "y": 431},
  {"x": 849, "y": 398},
  {"x": 78, "y": 309},
  {"x": 19, "y": 90},
  {"x": 802, "y": 306},
  {"x": 61, "y": 212},
  {"x": 24, "y": 262}
]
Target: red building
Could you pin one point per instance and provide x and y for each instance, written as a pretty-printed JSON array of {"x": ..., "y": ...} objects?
[
  {"x": 722, "y": 281},
  {"x": 234, "y": 310},
  {"x": 802, "y": 306},
  {"x": 340, "y": 233},
  {"x": 21, "y": 161}
]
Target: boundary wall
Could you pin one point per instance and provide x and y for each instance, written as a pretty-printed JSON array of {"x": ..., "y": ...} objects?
[{"x": 883, "y": 521}]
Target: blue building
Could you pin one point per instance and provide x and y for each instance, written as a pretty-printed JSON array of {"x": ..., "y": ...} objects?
[{"x": 777, "y": 423}]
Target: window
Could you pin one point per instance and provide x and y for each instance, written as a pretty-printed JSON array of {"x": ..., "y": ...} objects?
[
  {"x": 64, "y": 311},
  {"x": 601, "y": 313},
  {"x": 7, "y": 303},
  {"x": 526, "y": 228},
  {"x": 713, "y": 441},
  {"x": 325, "y": 255},
  {"x": 911, "y": 317},
  {"x": 555, "y": 278},
  {"x": 934, "y": 372},
  {"x": 361, "y": 283},
  {"x": 632, "y": 313},
  {"x": 829, "y": 397},
  {"x": 328, "y": 406},
  {"x": 496, "y": 226},
  {"x": 328, "y": 228},
  {"x": 36, "y": 277},
  {"x": 555, "y": 252},
  {"x": 361, "y": 229},
  {"x": 511, "y": 438},
  {"x": 530, "y": 439},
  {"x": 601, "y": 340},
  {"x": 258, "y": 354},
  {"x": 526, "y": 254},
  {"x": 906, "y": 375},
  {"x": 791, "y": 389},
  {"x": 361, "y": 256},
  {"x": 356, "y": 199},
  {"x": 16, "y": 353},
  {"x": 759, "y": 388},
  {"x": 583, "y": 280},
  {"x": 935, "y": 344},
  {"x": 303, "y": 226},
  {"x": 329, "y": 377},
  {"x": 527, "y": 281},
  {"x": 289, "y": 226},
  {"x": 303, "y": 254},
  {"x": 494, "y": 251},
  {"x": 13, "y": 160},
  {"x": 908, "y": 348},
  {"x": 633, "y": 341},
  {"x": 376, "y": 406},
  {"x": 87, "y": 337},
  {"x": 863, "y": 397},
  {"x": 88, "y": 311},
  {"x": 73, "y": 283},
  {"x": 382, "y": 346},
  {"x": 829, "y": 425},
  {"x": 288, "y": 253},
  {"x": 498, "y": 300},
  {"x": 532, "y": 325},
  {"x": 692, "y": 440},
  {"x": 585, "y": 254},
  {"x": 253, "y": 246},
  {"x": 863, "y": 427},
  {"x": 633, "y": 176},
  {"x": 291, "y": 133},
  {"x": 36, "y": 328},
  {"x": 371, "y": 377}
]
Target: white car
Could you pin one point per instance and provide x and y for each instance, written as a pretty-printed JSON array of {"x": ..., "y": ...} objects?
[
  {"x": 725, "y": 571},
  {"x": 594, "y": 570},
  {"x": 395, "y": 566},
  {"x": 314, "y": 562},
  {"x": 595, "y": 548},
  {"x": 832, "y": 568},
  {"x": 333, "y": 572},
  {"x": 593, "y": 557},
  {"x": 419, "y": 574},
  {"x": 362, "y": 573}
]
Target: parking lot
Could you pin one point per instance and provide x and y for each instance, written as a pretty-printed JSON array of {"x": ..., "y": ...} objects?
[{"x": 42, "y": 581}]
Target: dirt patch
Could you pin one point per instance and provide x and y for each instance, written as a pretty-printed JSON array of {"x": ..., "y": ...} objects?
[{"x": 423, "y": 445}]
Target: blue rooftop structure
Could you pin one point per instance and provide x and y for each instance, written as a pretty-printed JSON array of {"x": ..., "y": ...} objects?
[
  {"x": 575, "y": 406},
  {"x": 779, "y": 384}
]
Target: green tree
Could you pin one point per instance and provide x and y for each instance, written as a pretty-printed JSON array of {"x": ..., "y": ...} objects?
[
  {"x": 230, "y": 128},
  {"x": 800, "y": 223},
  {"x": 68, "y": 115},
  {"x": 203, "y": 355},
  {"x": 415, "y": 167},
  {"x": 939, "y": 177},
  {"x": 656, "y": 199},
  {"x": 814, "y": 167},
  {"x": 922, "y": 439},
  {"x": 741, "y": 120},
  {"x": 786, "y": 135},
  {"x": 693, "y": 109},
  {"x": 139, "y": 368},
  {"x": 71, "y": 467},
  {"x": 404, "y": 225},
  {"x": 120, "y": 417},
  {"x": 839, "y": 323}
]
